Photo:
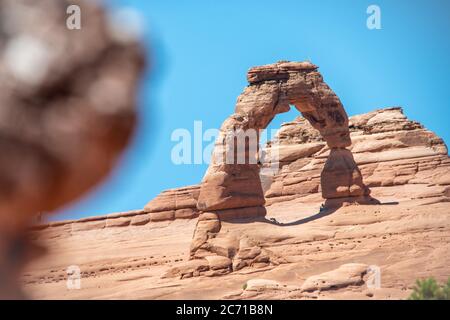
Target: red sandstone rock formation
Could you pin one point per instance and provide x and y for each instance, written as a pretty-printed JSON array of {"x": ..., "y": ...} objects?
[
  {"x": 406, "y": 234},
  {"x": 233, "y": 188},
  {"x": 322, "y": 155},
  {"x": 306, "y": 162},
  {"x": 229, "y": 184},
  {"x": 172, "y": 204},
  {"x": 388, "y": 149}
]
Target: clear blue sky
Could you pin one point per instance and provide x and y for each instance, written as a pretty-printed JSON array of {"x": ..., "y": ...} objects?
[{"x": 201, "y": 50}]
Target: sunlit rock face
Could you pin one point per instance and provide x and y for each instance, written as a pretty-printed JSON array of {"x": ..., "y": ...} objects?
[
  {"x": 67, "y": 105},
  {"x": 272, "y": 89},
  {"x": 180, "y": 203},
  {"x": 232, "y": 187},
  {"x": 387, "y": 149},
  {"x": 311, "y": 250}
]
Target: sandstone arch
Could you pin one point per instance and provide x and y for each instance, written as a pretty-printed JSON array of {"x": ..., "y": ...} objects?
[
  {"x": 233, "y": 190},
  {"x": 272, "y": 89}
]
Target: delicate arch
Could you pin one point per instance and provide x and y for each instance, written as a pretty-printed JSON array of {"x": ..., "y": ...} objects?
[{"x": 271, "y": 90}]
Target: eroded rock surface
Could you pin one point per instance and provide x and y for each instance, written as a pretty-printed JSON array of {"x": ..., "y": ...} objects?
[
  {"x": 274, "y": 226},
  {"x": 172, "y": 204},
  {"x": 388, "y": 149},
  {"x": 405, "y": 232},
  {"x": 346, "y": 275},
  {"x": 233, "y": 181},
  {"x": 353, "y": 276}
]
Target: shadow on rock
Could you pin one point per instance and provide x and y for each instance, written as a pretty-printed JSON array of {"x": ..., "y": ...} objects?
[{"x": 329, "y": 207}]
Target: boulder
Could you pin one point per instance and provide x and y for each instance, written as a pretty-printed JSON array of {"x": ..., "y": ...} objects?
[
  {"x": 118, "y": 222},
  {"x": 344, "y": 276},
  {"x": 218, "y": 262},
  {"x": 262, "y": 285},
  {"x": 188, "y": 213},
  {"x": 187, "y": 269},
  {"x": 140, "y": 219}
]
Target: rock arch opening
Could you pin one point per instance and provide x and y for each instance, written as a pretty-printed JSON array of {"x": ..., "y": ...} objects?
[
  {"x": 231, "y": 189},
  {"x": 272, "y": 90}
]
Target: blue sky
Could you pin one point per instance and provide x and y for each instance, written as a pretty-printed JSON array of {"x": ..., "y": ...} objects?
[{"x": 201, "y": 50}]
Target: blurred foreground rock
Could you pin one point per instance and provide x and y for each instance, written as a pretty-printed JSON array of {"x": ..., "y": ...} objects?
[{"x": 67, "y": 111}]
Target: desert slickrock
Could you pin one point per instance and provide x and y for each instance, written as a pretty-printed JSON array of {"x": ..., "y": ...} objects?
[{"x": 301, "y": 247}]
